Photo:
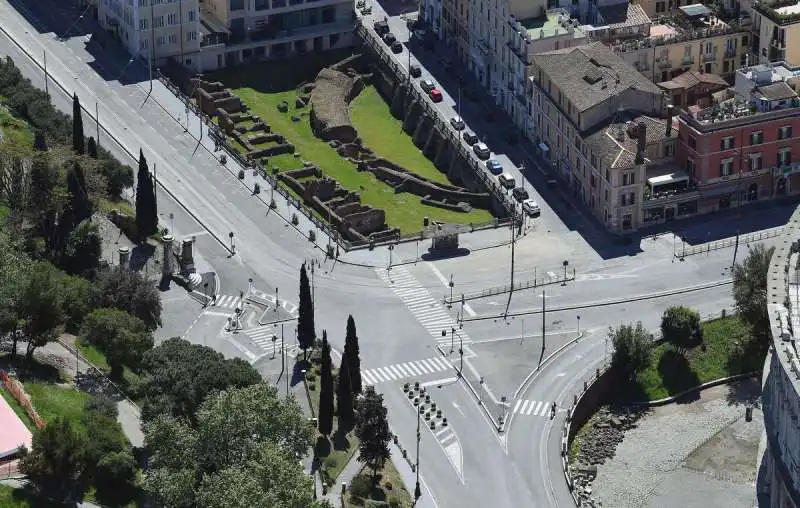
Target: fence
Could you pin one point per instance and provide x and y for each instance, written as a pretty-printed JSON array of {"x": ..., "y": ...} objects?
[
  {"x": 18, "y": 392},
  {"x": 9, "y": 468},
  {"x": 682, "y": 251},
  {"x": 546, "y": 280}
]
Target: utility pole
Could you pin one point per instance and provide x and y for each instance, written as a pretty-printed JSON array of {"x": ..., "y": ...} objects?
[
  {"x": 452, "y": 339},
  {"x": 544, "y": 318},
  {"x": 461, "y": 353},
  {"x": 283, "y": 359},
  {"x": 735, "y": 247},
  {"x": 155, "y": 186},
  {"x": 417, "y": 490},
  {"x": 97, "y": 122},
  {"x": 312, "y": 284},
  {"x": 277, "y": 304},
  {"x": 46, "y": 87},
  {"x": 451, "y": 284}
]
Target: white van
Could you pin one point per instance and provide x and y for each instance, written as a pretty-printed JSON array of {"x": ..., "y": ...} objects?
[{"x": 507, "y": 180}]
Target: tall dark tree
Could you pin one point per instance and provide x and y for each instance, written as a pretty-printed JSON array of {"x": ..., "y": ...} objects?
[
  {"x": 633, "y": 347},
  {"x": 57, "y": 459},
  {"x": 372, "y": 428},
  {"x": 91, "y": 147},
  {"x": 79, "y": 198},
  {"x": 146, "y": 213},
  {"x": 750, "y": 290},
  {"x": 344, "y": 397},
  {"x": 325, "y": 416},
  {"x": 39, "y": 142},
  {"x": 351, "y": 351},
  {"x": 305, "y": 320},
  {"x": 78, "y": 141}
]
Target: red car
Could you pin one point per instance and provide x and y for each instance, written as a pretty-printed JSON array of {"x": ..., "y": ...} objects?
[{"x": 436, "y": 95}]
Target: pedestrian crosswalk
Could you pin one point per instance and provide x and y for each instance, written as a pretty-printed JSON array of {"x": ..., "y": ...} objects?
[
  {"x": 228, "y": 301},
  {"x": 415, "y": 369},
  {"x": 263, "y": 338},
  {"x": 431, "y": 314},
  {"x": 532, "y": 407}
]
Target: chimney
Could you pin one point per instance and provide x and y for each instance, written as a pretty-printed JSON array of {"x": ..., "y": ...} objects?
[
  {"x": 641, "y": 141},
  {"x": 670, "y": 112}
]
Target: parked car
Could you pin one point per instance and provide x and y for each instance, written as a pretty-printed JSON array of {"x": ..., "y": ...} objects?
[
  {"x": 381, "y": 28},
  {"x": 414, "y": 70},
  {"x": 389, "y": 38},
  {"x": 435, "y": 95},
  {"x": 531, "y": 207},
  {"x": 494, "y": 167},
  {"x": 507, "y": 180},
  {"x": 427, "y": 85},
  {"x": 470, "y": 137},
  {"x": 520, "y": 194},
  {"x": 457, "y": 123},
  {"x": 397, "y": 47},
  {"x": 481, "y": 150}
]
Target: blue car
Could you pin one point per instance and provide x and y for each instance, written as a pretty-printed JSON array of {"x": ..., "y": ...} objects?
[{"x": 494, "y": 167}]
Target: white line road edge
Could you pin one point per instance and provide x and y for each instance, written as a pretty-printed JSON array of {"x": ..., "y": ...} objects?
[{"x": 446, "y": 284}]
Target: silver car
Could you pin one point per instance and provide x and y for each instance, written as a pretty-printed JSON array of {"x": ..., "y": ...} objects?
[{"x": 457, "y": 123}]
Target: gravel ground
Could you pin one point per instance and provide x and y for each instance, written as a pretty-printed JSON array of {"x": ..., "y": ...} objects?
[{"x": 701, "y": 454}]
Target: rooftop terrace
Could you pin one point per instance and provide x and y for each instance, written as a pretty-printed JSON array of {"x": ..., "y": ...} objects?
[
  {"x": 783, "y": 13},
  {"x": 555, "y": 23}
]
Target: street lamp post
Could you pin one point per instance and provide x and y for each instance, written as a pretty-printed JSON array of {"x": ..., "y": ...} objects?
[
  {"x": 452, "y": 339},
  {"x": 277, "y": 303},
  {"x": 579, "y": 324},
  {"x": 391, "y": 248},
  {"x": 417, "y": 490},
  {"x": 233, "y": 247},
  {"x": 205, "y": 293},
  {"x": 451, "y": 284},
  {"x": 566, "y": 264}
]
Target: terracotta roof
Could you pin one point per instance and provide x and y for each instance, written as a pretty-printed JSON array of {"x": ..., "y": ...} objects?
[
  {"x": 777, "y": 91},
  {"x": 691, "y": 78},
  {"x": 616, "y": 144},
  {"x": 591, "y": 74}
]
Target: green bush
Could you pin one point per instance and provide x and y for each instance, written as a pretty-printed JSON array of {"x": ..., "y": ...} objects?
[{"x": 361, "y": 486}]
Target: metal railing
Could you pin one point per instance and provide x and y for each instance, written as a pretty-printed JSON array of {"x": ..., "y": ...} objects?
[
  {"x": 682, "y": 251},
  {"x": 545, "y": 280}
]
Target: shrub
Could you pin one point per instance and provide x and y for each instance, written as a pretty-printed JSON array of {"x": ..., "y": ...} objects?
[{"x": 361, "y": 486}]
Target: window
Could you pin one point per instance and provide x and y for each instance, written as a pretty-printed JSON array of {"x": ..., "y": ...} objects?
[
  {"x": 784, "y": 157},
  {"x": 756, "y": 138},
  {"x": 745, "y": 41},
  {"x": 333, "y": 40},
  {"x": 260, "y": 5},
  {"x": 237, "y": 5},
  {"x": 660, "y": 7},
  {"x": 191, "y": 36},
  {"x": 785, "y": 132},
  {"x": 726, "y": 167},
  {"x": 628, "y": 178},
  {"x": 190, "y": 16},
  {"x": 627, "y": 221},
  {"x": 158, "y": 21},
  {"x": 143, "y": 44},
  {"x": 669, "y": 150},
  {"x": 142, "y": 3},
  {"x": 756, "y": 163},
  {"x": 278, "y": 3},
  {"x": 690, "y": 166},
  {"x": 143, "y": 24},
  {"x": 159, "y": 41},
  {"x": 172, "y": 19},
  {"x": 726, "y": 143},
  {"x": 593, "y": 181},
  {"x": 692, "y": 142}
]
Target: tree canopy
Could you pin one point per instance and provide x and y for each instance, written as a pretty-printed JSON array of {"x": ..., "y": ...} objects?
[
  {"x": 633, "y": 346},
  {"x": 123, "y": 338},
  {"x": 306, "y": 333},
  {"x": 127, "y": 290},
  {"x": 351, "y": 351},
  {"x": 680, "y": 326},
  {"x": 750, "y": 289},
  {"x": 325, "y": 416},
  {"x": 372, "y": 429}
]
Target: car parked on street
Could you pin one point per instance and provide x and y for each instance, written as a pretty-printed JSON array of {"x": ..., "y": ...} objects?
[
  {"x": 507, "y": 180},
  {"x": 381, "y": 28},
  {"x": 397, "y": 47},
  {"x": 414, "y": 70},
  {"x": 389, "y": 38},
  {"x": 427, "y": 85},
  {"x": 520, "y": 194},
  {"x": 531, "y": 207},
  {"x": 494, "y": 167},
  {"x": 481, "y": 150},
  {"x": 457, "y": 123},
  {"x": 435, "y": 95},
  {"x": 470, "y": 137}
]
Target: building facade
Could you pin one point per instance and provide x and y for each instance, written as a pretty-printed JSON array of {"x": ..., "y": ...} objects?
[
  {"x": 745, "y": 148},
  {"x": 596, "y": 123},
  {"x": 155, "y": 29},
  {"x": 776, "y": 31}
]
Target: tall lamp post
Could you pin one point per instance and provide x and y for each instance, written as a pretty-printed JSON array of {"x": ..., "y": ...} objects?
[
  {"x": 233, "y": 247},
  {"x": 566, "y": 264},
  {"x": 451, "y": 284},
  {"x": 417, "y": 490}
]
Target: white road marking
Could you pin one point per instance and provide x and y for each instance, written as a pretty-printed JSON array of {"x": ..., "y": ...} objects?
[{"x": 437, "y": 382}]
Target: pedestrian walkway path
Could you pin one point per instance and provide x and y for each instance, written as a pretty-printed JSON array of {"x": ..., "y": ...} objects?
[
  {"x": 531, "y": 407},
  {"x": 228, "y": 302},
  {"x": 431, "y": 314},
  {"x": 412, "y": 369}
]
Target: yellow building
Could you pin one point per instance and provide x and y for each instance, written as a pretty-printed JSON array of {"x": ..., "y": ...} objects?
[{"x": 776, "y": 32}]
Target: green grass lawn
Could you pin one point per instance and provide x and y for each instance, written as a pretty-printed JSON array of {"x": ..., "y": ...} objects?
[
  {"x": 403, "y": 210},
  {"x": 672, "y": 372},
  {"x": 20, "y": 498},
  {"x": 390, "y": 488},
  {"x": 385, "y": 135},
  {"x": 15, "y": 131},
  {"x": 51, "y": 401},
  {"x": 98, "y": 359}
]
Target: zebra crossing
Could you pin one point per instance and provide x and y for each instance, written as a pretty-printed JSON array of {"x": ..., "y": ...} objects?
[
  {"x": 531, "y": 407},
  {"x": 228, "y": 302},
  {"x": 430, "y": 313},
  {"x": 262, "y": 337},
  {"x": 405, "y": 370}
]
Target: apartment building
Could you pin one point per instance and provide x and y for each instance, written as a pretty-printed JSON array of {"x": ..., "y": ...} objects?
[
  {"x": 776, "y": 31},
  {"x": 155, "y": 29},
  {"x": 693, "y": 88},
  {"x": 744, "y": 148},
  {"x": 686, "y": 43},
  {"x": 596, "y": 121}
]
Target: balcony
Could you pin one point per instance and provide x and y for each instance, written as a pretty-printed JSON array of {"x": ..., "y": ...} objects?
[
  {"x": 730, "y": 52},
  {"x": 664, "y": 63},
  {"x": 709, "y": 57},
  {"x": 778, "y": 44},
  {"x": 687, "y": 60},
  {"x": 668, "y": 187}
]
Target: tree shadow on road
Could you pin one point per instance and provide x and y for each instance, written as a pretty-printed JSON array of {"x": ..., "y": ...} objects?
[
  {"x": 677, "y": 376},
  {"x": 340, "y": 440}
]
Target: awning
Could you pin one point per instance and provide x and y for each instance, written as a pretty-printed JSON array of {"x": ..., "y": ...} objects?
[
  {"x": 719, "y": 191},
  {"x": 678, "y": 176},
  {"x": 544, "y": 148}
]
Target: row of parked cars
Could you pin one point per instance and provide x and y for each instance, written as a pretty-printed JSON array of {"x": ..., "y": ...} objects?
[{"x": 382, "y": 29}]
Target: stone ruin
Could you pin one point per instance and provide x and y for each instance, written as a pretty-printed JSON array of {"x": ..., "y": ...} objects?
[
  {"x": 343, "y": 209},
  {"x": 230, "y": 112},
  {"x": 331, "y": 94}
]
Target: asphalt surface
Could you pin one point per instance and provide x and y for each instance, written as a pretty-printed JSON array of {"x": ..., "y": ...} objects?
[{"x": 398, "y": 312}]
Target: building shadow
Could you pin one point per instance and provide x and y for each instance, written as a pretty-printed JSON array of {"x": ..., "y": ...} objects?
[{"x": 745, "y": 392}]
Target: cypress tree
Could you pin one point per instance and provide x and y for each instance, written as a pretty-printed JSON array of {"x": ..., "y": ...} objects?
[
  {"x": 325, "y": 389},
  {"x": 78, "y": 141},
  {"x": 79, "y": 199},
  {"x": 91, "y": 147},
  {"x": 305, "y": 318},
  {"x": 344, "y": 398},
  {"x": 351, "y": 351},
  {"x": 146, "y": 214}
]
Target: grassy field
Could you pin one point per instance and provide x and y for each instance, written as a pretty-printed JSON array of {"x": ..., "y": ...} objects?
[
  {"x": 98, "y": 359},
  {"x": 671, "y": 371},
  {"x": 20, "y": 498},
  {"x": 51, "y": 400},
  {"x": 389, "y": 488},
  {"x": 403, "y": 210},
  {"x": 385, "y": 135}
]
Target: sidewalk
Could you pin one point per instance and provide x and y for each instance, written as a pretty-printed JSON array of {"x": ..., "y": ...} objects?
[{"x": 334, "y": 496}]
